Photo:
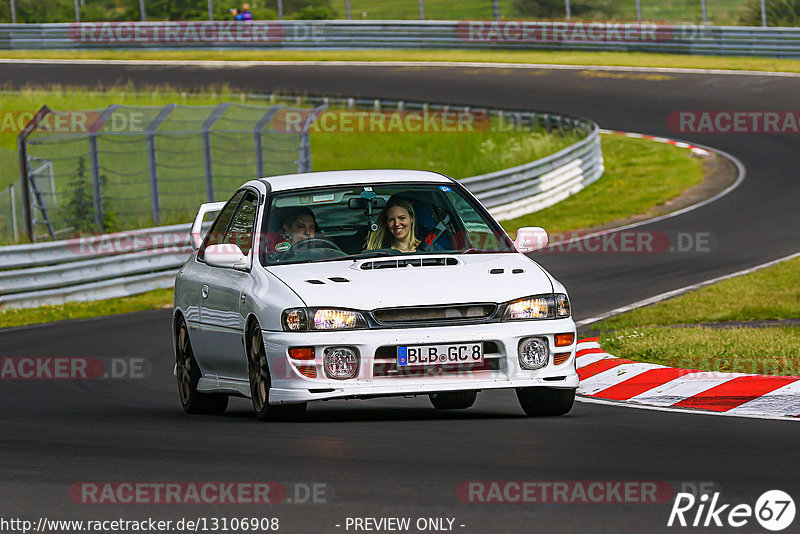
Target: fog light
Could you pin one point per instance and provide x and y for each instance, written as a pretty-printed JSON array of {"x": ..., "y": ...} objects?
[
  {"x": 533, "y": 353},
  {"x": 340, "y": 363}
]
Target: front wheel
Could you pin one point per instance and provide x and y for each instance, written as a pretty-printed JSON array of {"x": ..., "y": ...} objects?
[
  {"x": 189, "y": 374},
  {"x": 540, "y": 401},
  {"x": 453, "y": 400},
  {"x": 260, "y": 383}
]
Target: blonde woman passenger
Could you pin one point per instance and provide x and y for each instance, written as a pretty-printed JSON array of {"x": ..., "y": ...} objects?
[{"x": 396, "y": 227}]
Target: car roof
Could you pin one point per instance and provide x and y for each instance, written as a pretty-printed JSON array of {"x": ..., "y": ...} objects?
[{"x": 312, "y": 179}]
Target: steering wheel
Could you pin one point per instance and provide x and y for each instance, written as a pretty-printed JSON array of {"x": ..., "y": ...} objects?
[{"x": 309, "y": 244}]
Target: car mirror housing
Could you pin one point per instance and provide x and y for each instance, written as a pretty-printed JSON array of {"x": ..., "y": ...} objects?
[
  {"x": 196, "y": 234},
  {"x": 226, "y": 255},
  {"x": 530, "y": 239}
]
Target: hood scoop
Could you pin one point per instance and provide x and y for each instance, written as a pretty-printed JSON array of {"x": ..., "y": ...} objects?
[{"x": 408, "y": 262}]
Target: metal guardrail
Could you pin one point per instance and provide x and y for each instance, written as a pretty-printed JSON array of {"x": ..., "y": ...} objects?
[
  {"x": 126, "y": 263},
  {"x": 337, "y": 34}
]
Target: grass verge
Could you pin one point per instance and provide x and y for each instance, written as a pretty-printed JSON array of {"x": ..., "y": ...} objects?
[
  {"x": 151, "y": 300},
  {"x": 768, "y": 351},
  {"x": 626, "y": 188},
  {"x": 649, "y": 334},
  {"x": 613, "y": 59}
]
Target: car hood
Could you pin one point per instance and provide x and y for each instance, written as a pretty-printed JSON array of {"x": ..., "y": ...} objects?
[{"x": 347, "y": 284}]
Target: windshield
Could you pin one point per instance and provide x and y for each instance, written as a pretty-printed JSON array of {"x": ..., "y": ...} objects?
[{"x": 377, "y": 220}]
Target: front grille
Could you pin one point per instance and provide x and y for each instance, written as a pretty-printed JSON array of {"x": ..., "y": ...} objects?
[
  {"x": 457, "y": 314},
  {"x": 385, "y": 363}
]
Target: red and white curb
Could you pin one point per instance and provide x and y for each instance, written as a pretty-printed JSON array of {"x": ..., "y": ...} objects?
[
  {"x": 680, "y": 144},
  {"x": 604, "y": 376}
]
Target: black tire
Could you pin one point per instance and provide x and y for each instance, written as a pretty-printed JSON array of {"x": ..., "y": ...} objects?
[
  {"x": 453, "y": 400},
  {"x": 189, "y": 374},
  {"x": 260, "y": 383},
  {"x": 546, "y": 401}
]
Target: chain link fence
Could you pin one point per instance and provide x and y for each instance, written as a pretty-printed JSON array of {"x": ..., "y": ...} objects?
[{"x": 127, "y": 167}]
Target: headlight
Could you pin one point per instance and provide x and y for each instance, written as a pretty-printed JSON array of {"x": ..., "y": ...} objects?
[
  {"x": 562, "y": 305},
  {"x": 538, "y": 307},
  {"x": 302, "y": 319}
]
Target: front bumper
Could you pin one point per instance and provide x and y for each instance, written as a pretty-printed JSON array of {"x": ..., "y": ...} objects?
[{"x": 375, "y": 356}]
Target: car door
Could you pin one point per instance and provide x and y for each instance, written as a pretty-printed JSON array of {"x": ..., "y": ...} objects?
[{"x": 221, "y": 297}]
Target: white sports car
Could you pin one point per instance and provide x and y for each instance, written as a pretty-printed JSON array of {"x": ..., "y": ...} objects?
[{"x": 363, "y": 284}]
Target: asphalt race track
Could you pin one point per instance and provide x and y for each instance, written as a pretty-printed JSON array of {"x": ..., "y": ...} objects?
[{"x": 399, "y": 457}]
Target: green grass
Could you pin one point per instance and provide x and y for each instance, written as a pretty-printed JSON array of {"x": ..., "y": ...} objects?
[
  {"x": 409, "y": 9},
  {"x": 772, "y": 293},
  {"x": 458, "y": 155},
  {"x": 639, "y": 175},
  {"x": 767, "y": 294},
  {"x": 151, "y": 300},
  {"x": 772, "y": 351},
  {"x": 622, "y": 59}
]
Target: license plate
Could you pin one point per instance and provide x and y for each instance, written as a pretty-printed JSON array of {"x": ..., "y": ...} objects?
[{"x": 422, "y": 355}]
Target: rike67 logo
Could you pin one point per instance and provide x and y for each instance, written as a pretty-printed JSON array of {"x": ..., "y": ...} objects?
[{"x": 774, "y": 510}]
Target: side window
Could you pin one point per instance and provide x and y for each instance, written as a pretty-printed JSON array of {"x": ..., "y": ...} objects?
[
  {"x": 215, "y": 235},
  {"x": 479, "y": 233},
  {"x": 240, "y": 231}
]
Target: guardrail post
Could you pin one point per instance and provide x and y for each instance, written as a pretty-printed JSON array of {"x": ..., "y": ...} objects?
[
  {"x": 209, "y": 167},
  {"x": 260, "y": 125},
  {"x": 152, "y": 163},
  {"x": 13, "y": 13}
]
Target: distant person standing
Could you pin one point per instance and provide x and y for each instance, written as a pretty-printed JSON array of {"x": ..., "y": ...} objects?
[
  {"x": 236, "y": 14},
  {"x": 246, "y": 15}
]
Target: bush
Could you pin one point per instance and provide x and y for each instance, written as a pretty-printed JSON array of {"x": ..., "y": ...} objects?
[{"x": 779, "y": 13}]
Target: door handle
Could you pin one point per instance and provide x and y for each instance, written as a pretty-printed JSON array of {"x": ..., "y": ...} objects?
[
  {"x": 243, "y": 298},
  {"x": 205, "y": 291}
]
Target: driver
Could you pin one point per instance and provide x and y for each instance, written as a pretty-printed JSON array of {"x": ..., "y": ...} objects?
[{"x": 298, "y": 225}]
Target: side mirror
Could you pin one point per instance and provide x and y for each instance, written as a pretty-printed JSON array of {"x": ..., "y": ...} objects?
[
  {"x": 530, "y": 239},
  {"x": 225, "y": 255},
  {"x": 196, "y": 232}
]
